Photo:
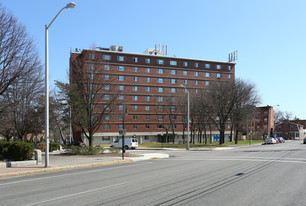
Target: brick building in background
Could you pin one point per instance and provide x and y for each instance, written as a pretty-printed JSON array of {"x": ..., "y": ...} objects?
[{"x": 147, "y": 88}]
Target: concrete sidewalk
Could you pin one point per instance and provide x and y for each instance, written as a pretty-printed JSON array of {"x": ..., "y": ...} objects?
[{"x": 67, "y": 162}]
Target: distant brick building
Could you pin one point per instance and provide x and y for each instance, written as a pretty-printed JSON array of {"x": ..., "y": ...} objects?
[{"x": 147, "y": 86}]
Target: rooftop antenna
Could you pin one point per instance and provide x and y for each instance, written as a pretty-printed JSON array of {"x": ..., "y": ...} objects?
[{"x": 233, "y": 56}]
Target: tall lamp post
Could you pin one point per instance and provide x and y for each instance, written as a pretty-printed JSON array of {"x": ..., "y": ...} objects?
[
  {"x": 188, "y": 111},
  {"x": 70, "y": 5}
]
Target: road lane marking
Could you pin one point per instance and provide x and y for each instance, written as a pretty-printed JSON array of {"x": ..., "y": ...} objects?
[{"x": 75, "y": 173}]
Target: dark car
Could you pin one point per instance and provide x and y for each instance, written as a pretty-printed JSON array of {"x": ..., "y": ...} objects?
[
  {"x": 280, "y": 139},
  {"x": 304, "y": 140}
]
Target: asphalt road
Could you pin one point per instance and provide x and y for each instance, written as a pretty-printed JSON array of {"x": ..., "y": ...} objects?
[{"x": 257, "y": 175}]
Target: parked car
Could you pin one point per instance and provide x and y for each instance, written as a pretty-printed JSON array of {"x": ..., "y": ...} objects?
[
  {"x": 304, "y": 140},
  {"x": 280, "y": 139},
  {"x": 128, "y": 143},
  {"x": 270, "y": 140}
]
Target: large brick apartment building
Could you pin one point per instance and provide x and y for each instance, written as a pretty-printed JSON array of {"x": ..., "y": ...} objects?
[{"x": 145, "y": 84}]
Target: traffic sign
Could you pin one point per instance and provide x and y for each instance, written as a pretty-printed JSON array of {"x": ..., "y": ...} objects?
[{"x": 122, "y": 132}]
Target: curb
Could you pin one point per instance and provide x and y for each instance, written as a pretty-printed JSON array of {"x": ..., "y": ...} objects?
[{"x": 42, "y": 170}]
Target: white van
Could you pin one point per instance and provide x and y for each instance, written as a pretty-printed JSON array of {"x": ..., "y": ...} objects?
[{"x": 128, "y": 143}]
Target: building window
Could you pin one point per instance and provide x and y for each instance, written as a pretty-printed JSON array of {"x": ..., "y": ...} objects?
[
  {"x": 160, "y": 71},
  {"x": 135, "y": 98},
  {"x": 148, "y": 79},
  {"x": 135, "y": 89},
  {"x": 173, "y": 117},
  {"x": 228, "y": 76},
  {"x": 121, "y": 78},
  {"x": 147, "y": 89},
  {"x": 207, "y": 66},
  {"x": 121, "y": 88},
  {"x": 107, "y": 67},
  {"x": 160, "y": 108},
  {"x": 173, "y": 63},
  {"x": 106, "y": 117},
  {"x": 92, "y": 86},
  {"x": 121, "y": 58},
  {"x": 92, "y": 76},
  {"x": 91, "y": 56},
  {"x": 135, "y": 117},
  {"x": 265, "y": 120},
  {"x": 135, "y": 69},
  {"x": 148, "y": 61},
  {"x": 135, "y": 59},
  {"x": 147, "y": 70},
  {"x": 196, "y": 64},
  {"x": 107, "y": 57},
  {"x": 106, "y": 126},
  {"x": 121, "y": 68},
  {"x": 147, "y": 126},
  {"x": 147, "y": 117},
  {"x": 207, "y": 83},
  {"x": 121, "y": 97},
  {"x": 147, "y": 108},
  {"x": 196, "y": 82},
  {"x": 135, "y": 107},
  {"x": 160, "y": 80},
  {"x": 160, "y": 117},
  {"x": 120, "y": 117},
  {"x": 106, "y": 87},
  {"x": 120, "y": 107},
  {"x": 185, "y": 72},
  {"x": 185, "y": 64},
  {"x": 135, "y": 79},
  {"x": 160, "y": 126},
  {"x": 134, "y": 126},
  {"x": 91, "y": 66},
  {"x": 173, "y": 90},
  {"x": 218, "y": 75},
  {"x": 147, "y": 98},
  {"x": 106, "y": 97},
  {"x": 106, "y": 138},
  {"x": 160, "y": 61},
  {"x": 160, "y": 99},
  {"x": 106, "y": 77},
  {"x": 172, "y": 108},
  {"x": 196, "y": 74},
  {"x": 196, "y": 91},
  {"x": 173, "y": 126},
  {"x": 173, "y": 81},
  {"x": 173, "y": 71},
  {"x": 229, "y": 67},
  {"x": 106, "y": 107},
  {"x": 160, "y": 89},
  {"x": 207, "y": 74},
  {"x": 172, "y": 99},
  {"x": 120, "y": 126},
  {"x": 218, "y": 66},
  {"x": 185, "y": 81}
]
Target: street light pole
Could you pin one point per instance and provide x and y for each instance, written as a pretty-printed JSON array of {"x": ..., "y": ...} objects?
[
  {"x": 188, "y": 120},
  {"x": 70, "y": 5}
]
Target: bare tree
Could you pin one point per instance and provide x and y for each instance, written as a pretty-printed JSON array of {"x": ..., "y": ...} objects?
[
  {"x": 230, "y": 99},
  {"x": 18, "y": 55},
  {"x": 91, "y": 95}
]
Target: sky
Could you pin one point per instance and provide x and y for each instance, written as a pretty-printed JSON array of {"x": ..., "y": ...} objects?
[{"x": 270, "y": 36}]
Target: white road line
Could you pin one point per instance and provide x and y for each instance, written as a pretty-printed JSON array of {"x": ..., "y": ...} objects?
[
  {"x": 242, "y": 159},
  {"x": 69, "y": 174}
]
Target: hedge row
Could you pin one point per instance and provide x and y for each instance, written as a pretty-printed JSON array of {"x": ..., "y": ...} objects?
[{"x": 16, "y": 151}]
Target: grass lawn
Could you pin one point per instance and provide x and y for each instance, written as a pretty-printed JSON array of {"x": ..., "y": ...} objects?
[{"x": 197, "y": 145}]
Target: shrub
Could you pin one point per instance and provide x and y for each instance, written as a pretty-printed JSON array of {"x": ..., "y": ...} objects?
[
  {"x": 41, "y": 146},
  {"x": 75, "y": 150},
  {"x": 16, "y": 151}
]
